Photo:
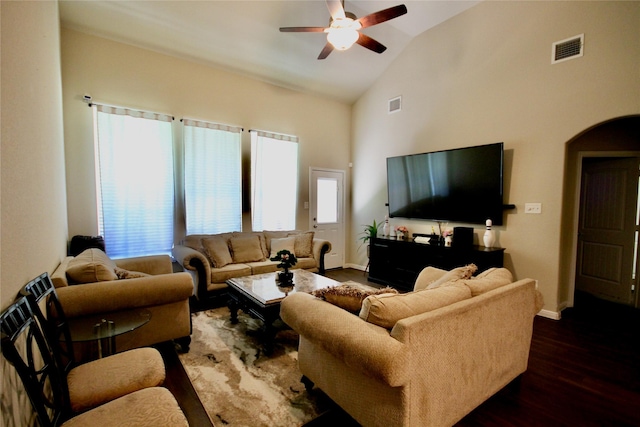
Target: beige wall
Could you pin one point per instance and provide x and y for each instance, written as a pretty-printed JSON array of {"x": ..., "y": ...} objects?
[
  {"x": 34, "y": 218},
  {"x": 119, "y": 74},
  {"x": 485, "y": 76}
]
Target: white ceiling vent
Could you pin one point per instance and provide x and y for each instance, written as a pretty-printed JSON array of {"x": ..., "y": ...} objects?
[
  {"x": 566, "y": 49},
  {"x": 395, "y": 104}
]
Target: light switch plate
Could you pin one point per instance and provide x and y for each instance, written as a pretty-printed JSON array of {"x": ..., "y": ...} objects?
[{"x": 533, "y": 208}]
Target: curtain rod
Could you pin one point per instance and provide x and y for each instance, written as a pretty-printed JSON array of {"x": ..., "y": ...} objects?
[{"x": 89, "y": 101}]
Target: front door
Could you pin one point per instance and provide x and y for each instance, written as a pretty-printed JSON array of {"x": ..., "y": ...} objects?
[
  {"x": 608, "y": 228},
  {"x": 326, "y": 212}
]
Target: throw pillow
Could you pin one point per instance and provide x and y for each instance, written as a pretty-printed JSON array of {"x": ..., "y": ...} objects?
[
  {"x": 349, "y": 297},
  {"x": 303, "y": 244},
  {"x": 246, "y": 249},
  {"x": 91, "y": 265},
  {"x": 126, "y": 274},
  {"x": 277, "y": 234},
  {"x": 286, "y": 243},
  {"x": 453, "y": 275},
  {"x": 386, "y": 310},
  {"x": 217, "y": 250}
]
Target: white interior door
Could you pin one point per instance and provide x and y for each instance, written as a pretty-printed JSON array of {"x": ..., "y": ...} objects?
[{"x": 326, "y": 211}]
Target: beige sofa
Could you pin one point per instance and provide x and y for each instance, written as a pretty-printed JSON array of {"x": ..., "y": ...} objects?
[
  {"x": 214, "y": 258},
  {"x": 439, "y": 353},
  {"x": 92, "y": 284}
]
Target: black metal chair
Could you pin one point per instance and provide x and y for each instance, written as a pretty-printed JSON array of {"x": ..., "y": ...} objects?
[
  {"x": 25, "y": 348},
  {"x": 93, "y": 383},
  {"x": 37, "y": 369}
]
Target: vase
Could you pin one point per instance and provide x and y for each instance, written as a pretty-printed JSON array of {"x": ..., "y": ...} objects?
[
  {"x": 489, "y": 237},
  {"x": 285, "y": 276},
  {"x": 399, "y": 235},
  {"x": 448, "y": 240},
  {"x": 385, "y": 227}
]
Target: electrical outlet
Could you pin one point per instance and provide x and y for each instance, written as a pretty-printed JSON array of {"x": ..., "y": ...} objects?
[{"x": 533, "y": 208}]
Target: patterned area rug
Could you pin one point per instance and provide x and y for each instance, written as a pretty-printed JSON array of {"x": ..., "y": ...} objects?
[{"x": 239, "y": 385}]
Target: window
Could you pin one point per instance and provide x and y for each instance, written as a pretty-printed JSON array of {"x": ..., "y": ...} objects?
[
  {"x": 274, "y": 181},
  {"x": 135, "y": 181},
  {"x": 212, "y": 177}
]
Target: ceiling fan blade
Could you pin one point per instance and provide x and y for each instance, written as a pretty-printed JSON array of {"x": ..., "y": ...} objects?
[
  {"x": 302, "y": 29},
  {"x": 382, "y": 15},
  {"x": 371, "y": 44},
  {"x": 336, "y": 9},
  {"x": 326, "y": 50}
]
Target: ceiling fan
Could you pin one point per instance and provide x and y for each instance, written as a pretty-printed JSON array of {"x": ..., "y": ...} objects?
[{"x": 344, "y": 28}]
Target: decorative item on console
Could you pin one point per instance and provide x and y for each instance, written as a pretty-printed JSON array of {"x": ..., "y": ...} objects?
[
  {"x": 489, "y": 237},
  {"x": 287, "y": 260},
  {"x": 401, "y": 232},
  {"x": 448, "y": 237},
  {"x": 386, "y": 227}
]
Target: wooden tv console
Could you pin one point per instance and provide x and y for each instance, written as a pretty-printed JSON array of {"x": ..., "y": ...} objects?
[{"x": 397, "y": 263}]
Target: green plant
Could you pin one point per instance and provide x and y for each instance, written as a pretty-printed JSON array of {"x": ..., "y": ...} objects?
[{"x": 370, "y": 231}]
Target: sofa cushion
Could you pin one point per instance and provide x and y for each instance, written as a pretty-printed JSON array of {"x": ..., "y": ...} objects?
[
  {"x": 246, "y": 249},
  {"x": 217, "y": 250},
  {"x": 386, "y": 309},
  {"x": 427, "y": 276},
  {"x": 453, "y": 275},
  {"x": 303, "y": 244},
  {"x": 92, "y": 265},
  {"x": 220, "y": 275},
  {"x": 281, "y": 244},
  {"x": 349, "y": 297},
  {"x": 261, "y": 237},
  {"x": 261, "y": 267},
  {"x": 488, "y": 280}
]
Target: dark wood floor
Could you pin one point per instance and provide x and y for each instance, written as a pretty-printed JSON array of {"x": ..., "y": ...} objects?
[{"x": 584, "y": 370}]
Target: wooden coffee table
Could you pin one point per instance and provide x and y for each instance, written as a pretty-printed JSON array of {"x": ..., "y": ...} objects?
[{"x": 260, "y": 296}]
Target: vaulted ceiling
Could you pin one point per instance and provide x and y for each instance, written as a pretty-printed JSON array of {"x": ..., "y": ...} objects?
[{"x": 244, "y": 37}]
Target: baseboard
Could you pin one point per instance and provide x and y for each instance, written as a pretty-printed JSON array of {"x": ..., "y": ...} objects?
[
  {"x": 554, "y": 315},
  {"x": 356, "y": 267}
]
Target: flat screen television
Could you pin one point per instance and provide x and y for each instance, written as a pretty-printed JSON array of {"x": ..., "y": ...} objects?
[{"x": 459, "y": 185}]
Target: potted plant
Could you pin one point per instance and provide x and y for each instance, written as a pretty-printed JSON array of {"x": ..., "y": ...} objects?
[
  {"x": 370, "y": 231},
  {"x": 287, "y": 260}
]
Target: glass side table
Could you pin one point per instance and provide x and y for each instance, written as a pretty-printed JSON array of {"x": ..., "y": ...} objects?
[{"x": 105, "y": 327}]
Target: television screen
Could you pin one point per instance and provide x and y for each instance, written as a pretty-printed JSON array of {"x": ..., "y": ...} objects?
[{"x": 459, "y": 185}]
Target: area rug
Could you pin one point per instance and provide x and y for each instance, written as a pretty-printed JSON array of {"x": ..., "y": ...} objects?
[{"x": 241, "y": 386}]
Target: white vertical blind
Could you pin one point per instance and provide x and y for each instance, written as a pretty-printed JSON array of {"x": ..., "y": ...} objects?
[
  {"x": 274, "y": 181},
  {"x": 212, "y": 177},
  {"x": 135, "y": 181}
]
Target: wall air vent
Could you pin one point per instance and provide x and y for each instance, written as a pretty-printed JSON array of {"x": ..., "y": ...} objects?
[
  {"x": 395, "y": 104},
  {"x": 570, "y": 48}
]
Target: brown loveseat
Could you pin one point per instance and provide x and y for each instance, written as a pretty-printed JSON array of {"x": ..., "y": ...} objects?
[
  {"x": 214, "y": 258},
  {"x": 91, "y": 283},
  {"x": 425, "y": 358}
]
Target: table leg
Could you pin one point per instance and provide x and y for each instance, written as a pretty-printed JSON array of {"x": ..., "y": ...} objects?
[{"x": 233, "y": 310}]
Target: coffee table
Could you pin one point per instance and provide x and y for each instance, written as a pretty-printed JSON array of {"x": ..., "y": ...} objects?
[{"x": 260, "y": 296}]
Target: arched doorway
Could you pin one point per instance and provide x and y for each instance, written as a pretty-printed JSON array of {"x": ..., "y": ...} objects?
[{"x": 594, "y": 260}]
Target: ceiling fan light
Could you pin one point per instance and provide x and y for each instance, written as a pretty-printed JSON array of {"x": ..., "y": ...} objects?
[{"x": 342, "y": 38}]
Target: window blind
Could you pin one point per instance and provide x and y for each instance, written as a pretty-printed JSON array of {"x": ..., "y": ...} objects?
[
  {"x": 135, "y": 181},
  {"x": 274, "y": 181},
  {"x": 212, "y": 177}
]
